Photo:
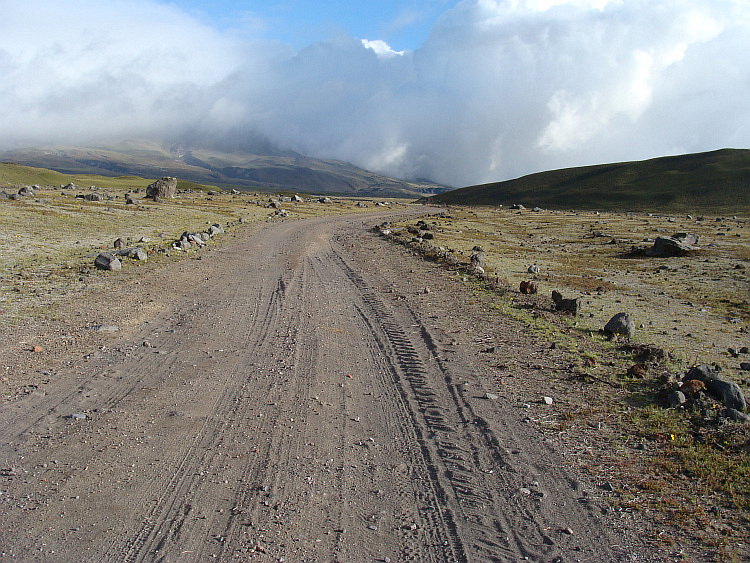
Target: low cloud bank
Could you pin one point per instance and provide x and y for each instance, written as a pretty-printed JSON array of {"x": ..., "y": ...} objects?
[{"x": 498, "y": 90}]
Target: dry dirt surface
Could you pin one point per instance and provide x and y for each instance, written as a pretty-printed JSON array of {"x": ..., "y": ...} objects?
[{"x": 305, "y": 392}]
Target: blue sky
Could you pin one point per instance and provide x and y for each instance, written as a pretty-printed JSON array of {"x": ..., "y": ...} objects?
[
  {"x": 461, "y": 92},
  {"x": 403, "y": 24}
]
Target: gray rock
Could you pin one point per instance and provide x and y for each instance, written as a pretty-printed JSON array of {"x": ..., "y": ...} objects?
[
  {"x": 106, "y": 261},
  {"x": 621, "y": 324},
  {"x": 138, "y": 253},
  {"x": 745, "y": 366},
  {"x": 727, "y": 391},
  {"x": 196, "y": 238},
  {"x": 215, "y": 229},
  {"x": 676, "y": 398},
  {"x": 737, "y": 416},
  {"x": 477, "y": 259},
  {"x": 26, "y": 191},
  {"x": 93, "y": 197},
  {"x": 678, "y": 244},
  {"x": 533, "y": 269},
  {"x": 325, "y": 200},
  {"x": 166, "y": 187},
  {"x": 566, "y": 305},
  {"x": 118, "y": 244}
]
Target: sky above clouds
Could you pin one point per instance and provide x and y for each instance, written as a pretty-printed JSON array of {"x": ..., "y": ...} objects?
[{"x": 458, "y": 92}]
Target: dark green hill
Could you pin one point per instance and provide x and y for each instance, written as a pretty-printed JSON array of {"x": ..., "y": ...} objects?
[
  {"x": 235, "y": 169},
  {"x": 718, "y": 180}
]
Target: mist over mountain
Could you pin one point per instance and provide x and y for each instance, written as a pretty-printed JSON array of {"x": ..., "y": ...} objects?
[
  {"x": 224, "y": 164},
  {"x": 497, "y": 90}
]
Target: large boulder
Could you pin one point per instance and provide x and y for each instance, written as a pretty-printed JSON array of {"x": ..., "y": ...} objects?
[
  {"x": 106, "y": 261},
  {"x": 166, "y": 187},
  {"x": 678, "y": 244},
  {"x": 727, "y": 391},
  {"x": 620, "y": 325}
]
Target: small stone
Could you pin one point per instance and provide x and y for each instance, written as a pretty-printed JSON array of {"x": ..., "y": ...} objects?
[
  {"x": 37, "y": 349},
  {"x": 676, "y": 398},
  {"x": 372, "y": 527},
  {"x": 745, "y": 366},
  {"x": 548, "y": 400},
  {"x": 78, "y": 416},
  {"x": 567, "y": 531},
  {"x": 491, "y": 396}
]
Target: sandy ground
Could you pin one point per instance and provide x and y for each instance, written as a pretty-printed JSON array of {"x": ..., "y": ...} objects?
[{"x": 305, "y": 392}]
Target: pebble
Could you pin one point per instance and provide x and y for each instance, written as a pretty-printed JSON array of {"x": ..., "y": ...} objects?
[
  {"x": 491, "y": 396},
  {"x": 548, "y": 400},
  {"x": 372, "y": 527}
]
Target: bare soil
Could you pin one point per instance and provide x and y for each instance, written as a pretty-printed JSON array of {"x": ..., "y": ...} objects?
[{"x": 305, "y": 392}]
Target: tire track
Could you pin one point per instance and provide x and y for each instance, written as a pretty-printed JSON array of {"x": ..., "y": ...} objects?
[{"x": 466, "y": 481}]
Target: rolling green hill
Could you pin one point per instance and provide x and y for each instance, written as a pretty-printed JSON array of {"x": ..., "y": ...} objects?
[
  {"x": 237, "y": 169},
  {"x": 718, "y": 180}
]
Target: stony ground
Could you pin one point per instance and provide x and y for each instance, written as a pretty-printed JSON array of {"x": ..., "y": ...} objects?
[{"x": 308, "y": 391}]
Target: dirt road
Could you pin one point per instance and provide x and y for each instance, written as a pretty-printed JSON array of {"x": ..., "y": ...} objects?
[{"x": 304, "y": 400}]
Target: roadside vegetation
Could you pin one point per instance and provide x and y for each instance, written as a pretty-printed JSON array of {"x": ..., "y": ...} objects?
[{"x": 685, "y": 468}]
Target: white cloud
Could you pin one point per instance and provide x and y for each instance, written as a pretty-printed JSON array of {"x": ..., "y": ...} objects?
[
  {"x": 500, "y": 88},
  {"x": 381, "y": 48}
]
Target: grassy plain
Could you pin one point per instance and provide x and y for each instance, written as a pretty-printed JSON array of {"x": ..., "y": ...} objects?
[{"x": 49, "y": 241}]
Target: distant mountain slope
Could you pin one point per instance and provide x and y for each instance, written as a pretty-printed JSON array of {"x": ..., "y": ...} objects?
[
  {"x": 283, "y": 172},
  {"x": 701, "y": 181}
]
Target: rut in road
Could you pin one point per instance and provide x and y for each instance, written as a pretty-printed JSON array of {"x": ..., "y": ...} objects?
[{"x": 291, "y": 408}]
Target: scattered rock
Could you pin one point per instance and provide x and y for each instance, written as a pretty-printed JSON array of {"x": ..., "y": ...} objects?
[
  {"x": 106, "y": 261},
  {"x": 491, "y": 396},
  {"x": 726, "y": 391},
  {"x": 745, "y": 366},
  {"x": 548, "y": 400},
  {"x": 678, "y": 244},
  {"x": 620, "y": 325},
  {"x": 572, "y": 306},
  {"x": 118, "y": 244},
  {"x": 533, "y": 269},
  {"x": 528, "y": 287},
  {"x": 676, "y": 398},
  {"x": 477, "y": 258},
  {"x": 638, "y": 370},
  {"x": 692, "y": 387},
  {"x": 37, "y": 349},
  {"x": 166, "y": 187}
]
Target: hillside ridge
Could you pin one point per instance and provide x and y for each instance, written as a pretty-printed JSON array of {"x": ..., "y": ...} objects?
[{"x": 710, "y": 180}]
